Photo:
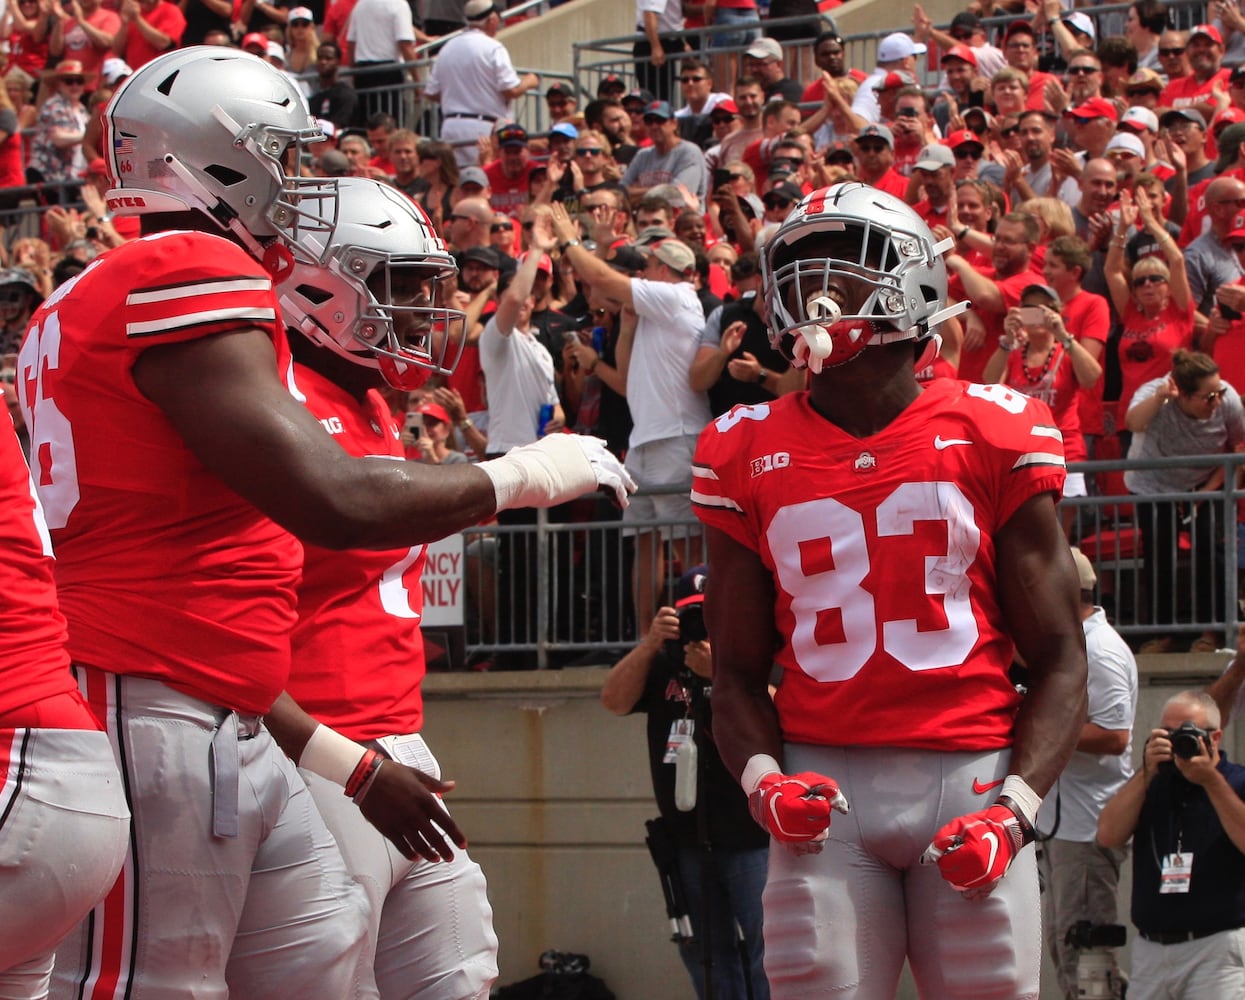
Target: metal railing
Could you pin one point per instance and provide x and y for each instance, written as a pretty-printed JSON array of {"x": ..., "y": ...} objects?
[{"x": 580, "y": 607}]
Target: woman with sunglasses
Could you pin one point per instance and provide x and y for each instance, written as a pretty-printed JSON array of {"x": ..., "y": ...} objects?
[
  {"x": 1188, "y": 410},
  {"x": 56, "y": 156},
  {"x": 1155, "y": 304}
]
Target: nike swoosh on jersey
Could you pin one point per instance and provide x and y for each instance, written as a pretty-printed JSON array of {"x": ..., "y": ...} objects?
[
  {"x": 981, "y": 789},
  {"x": 941, "y": 443}
]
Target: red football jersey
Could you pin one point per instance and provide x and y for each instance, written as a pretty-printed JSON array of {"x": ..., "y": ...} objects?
[
  {"x": 357, "y": 650},
  {"x": 163, "y": 570},
  {"x": 34, "y": 665},
  {"x": 883, "y": 558}
]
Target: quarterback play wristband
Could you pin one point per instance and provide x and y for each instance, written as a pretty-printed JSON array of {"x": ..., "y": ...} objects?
[
  {"x": 758, "y": 766},
  {"x": 1023, "y": 799},
  {"x": 332, "y": 756}
]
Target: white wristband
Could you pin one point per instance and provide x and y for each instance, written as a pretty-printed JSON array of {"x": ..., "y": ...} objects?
[
  {"x": 551, "y": 471},
  {"x": 758, "y": 766},
  {"x": 1024, "y": 798},
  {"x": 331, "y": 755}
]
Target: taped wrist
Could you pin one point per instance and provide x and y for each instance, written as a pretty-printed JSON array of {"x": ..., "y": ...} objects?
[
  {"x": 553, "y": 469},
  {"x": 758, "y": 766},
  {"x": 332, "y": 756}
]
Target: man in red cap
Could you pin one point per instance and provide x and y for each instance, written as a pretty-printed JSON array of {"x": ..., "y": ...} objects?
[
  {"x": 959, "y": 69},
  {"x": 1092, "y": 124},
  {"x": 968, "y": 149},
  {"x": 1205, "y": 53}
]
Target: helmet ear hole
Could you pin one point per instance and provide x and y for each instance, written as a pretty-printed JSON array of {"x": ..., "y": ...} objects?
[
  {"x": 316, "y": 296},
  {"x": 223, "y": 175}
]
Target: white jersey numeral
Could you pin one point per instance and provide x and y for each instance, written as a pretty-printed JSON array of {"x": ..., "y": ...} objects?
[
  {"x": 53, "y": 464},
  {"x": 798, "y": 528}
]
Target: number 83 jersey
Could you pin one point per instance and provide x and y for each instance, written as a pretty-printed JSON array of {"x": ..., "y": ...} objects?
[{"x": 883, "y": 558}]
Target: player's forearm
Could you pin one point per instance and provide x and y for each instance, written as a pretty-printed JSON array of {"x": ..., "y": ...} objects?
[{"x": 290, "y": 726}]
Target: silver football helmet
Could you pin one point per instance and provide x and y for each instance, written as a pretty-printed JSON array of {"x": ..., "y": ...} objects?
[
  {"x": 220, "y": 131},
  {"x": 893, "y": 252},
  {"x": 375, "y": 292}
]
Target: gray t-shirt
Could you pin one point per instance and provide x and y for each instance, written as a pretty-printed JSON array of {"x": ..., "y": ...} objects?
[{"x": 1171, "y": 432}]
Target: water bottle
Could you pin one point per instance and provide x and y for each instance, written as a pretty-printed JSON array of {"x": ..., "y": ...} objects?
[
  {"x": 598, "y": 339},
  {"x": 685, "y": 776},
  {"x": 542, "y": 418}
]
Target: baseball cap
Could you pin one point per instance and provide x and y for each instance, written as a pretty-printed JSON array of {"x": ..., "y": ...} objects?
[
  {"x": 1127, "y": 142},
  {"x": 1237, "y": 77},
  {"x": 1037, "y": 288},
  {"x": 1229, "y": 140},
  {"x": 1019, "y": 28},
  {"x": 566, "y": 130},
  {"x": 764, "y": 48},
  {"x": 658, "y": 109},
  {"x": 472, "y": 175},
  {"x": 1137, "y": 119},
  {"x": 302, "y": 14},
  {"x": 334, "y": 163},
  {"x": 895, "y": 78},
  {"x": 1228, "y": 116},
  {"x": 876, "y": 132},
  {"x": 1237, "y": 234},
  {"x": 839, "y": 152},
  {"x": 1080, "y": 21},
  {"x": 434, "y": 410},
  {"x": 257, "y": 39},
  {"x": 650, "y": 235},
  {"x": 18, "y": 276},
  {"x": 481, "y": 255},
  {"x": 611, "y": 83},
  {"x": 114, "y": 70},
  {"x": 478, "y": 10},
  {"x": 964, "y": 53},
  {"x": 1084, "y": 569},
  {"x": 691, "y": 587},
  {"x": 725, "y": 107},
  {"x": 512, "y": 135},
  {"x": 675, "y": 254},
  {"x": 1210, "y": 31},
  {"x": 640, "y": 96},
  {"x": 1144, "y": 79},
  {"x": 935, "y": 156},
  {"x": 627, "y": 259},
  {"x": 275, "y": 50},
  {"x": 559, "y": 90},
  {"x": 327, "y": 127},
  {"x": 544, "y": 264},
  {"x": 964, "y": 137},
  {"x": 897, "y": 45},
  {"x": 784, "y": 191},
  {"x": 1095, "y": 107},
  {"x": 966, "y": 20},
  {"x": 1188, "y": 114}
]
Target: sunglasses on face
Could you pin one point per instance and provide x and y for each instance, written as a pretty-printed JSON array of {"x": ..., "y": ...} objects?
[
  {"x": 501, "y": 227},
  {"x": 653, "y": 120},
  {"x": 1082, "y": 70},
  {"x": 785, "y": 161},
  {"x": 588, "y": 151},
  {"x": 1172, "y": 52},
  {"x": 871, "y": 147},
  {"x": 74, "y": 81},
  {"x": 1149, "y": 279},
  {"x": 692, "y": 79},
  {"x": 718, "y": 120},
  {"x": 1007, "y": 133},
  {"x": 968, "y": 154},
  {"x": 1083, "y": 119},
  {"x": 777, "y": 202},
  {"x": 907, "y": 113},
  {"x": 1210, "y": 397}
]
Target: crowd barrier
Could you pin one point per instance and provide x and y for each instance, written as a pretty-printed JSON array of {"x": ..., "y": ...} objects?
[{"x": 579, "y": 607}]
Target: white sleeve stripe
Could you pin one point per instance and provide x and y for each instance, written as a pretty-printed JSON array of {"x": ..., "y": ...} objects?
[
  {"x": 1046, "y": 430},
  {"x": 704, "y": 472},
  {"x": 224, "y": 285},
  {"x": 200, "y": 318},
  {"x": 705, "y": 500},
  {"x": 1031, "y": 458}
]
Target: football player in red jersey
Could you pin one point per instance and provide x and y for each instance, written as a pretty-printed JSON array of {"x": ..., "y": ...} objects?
[
  {"x": 63, "y": 819},
  {"x": 178, "y": 473},
  {"x": 358, "y": 656},
  {"x": 900, "y": 545}
]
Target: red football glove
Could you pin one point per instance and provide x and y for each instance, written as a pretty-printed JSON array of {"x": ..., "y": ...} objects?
[
  {"x": 795, "y": 809},
  {"x": 973, "y": 852}
]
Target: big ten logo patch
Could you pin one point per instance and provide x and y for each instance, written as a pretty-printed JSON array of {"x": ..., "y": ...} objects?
[{"x": 768, "y": 463}]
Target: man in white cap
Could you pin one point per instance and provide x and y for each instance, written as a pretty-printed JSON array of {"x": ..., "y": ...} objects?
[
  {"x": 897, "y": 51},
  {"x": 475, "y": 81},
  {"x": 934, "y": 173},
  {"x": 763, "y": 61}
]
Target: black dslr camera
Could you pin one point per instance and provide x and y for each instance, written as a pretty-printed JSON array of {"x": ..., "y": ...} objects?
[
  {"x": 691, "y": 629},
  {"x": 1189, "y": 741}
]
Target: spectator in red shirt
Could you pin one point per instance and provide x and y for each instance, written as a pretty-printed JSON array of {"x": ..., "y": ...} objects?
[
  {"x": 1205, "y": 55},
  {"x": 509, "y": 176},
  {"x": 87, "y": 35},
  {"x": 148, "y": 27},
  {"x": 30, "y": 23}
]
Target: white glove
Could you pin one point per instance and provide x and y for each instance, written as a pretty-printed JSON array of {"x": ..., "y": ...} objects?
[{"x": 555, "y": 469}]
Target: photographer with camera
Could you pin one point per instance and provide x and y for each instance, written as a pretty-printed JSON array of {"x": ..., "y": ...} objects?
[
  {"x": 1186, "y": 811},
  {"x": 721, "y": 855}
]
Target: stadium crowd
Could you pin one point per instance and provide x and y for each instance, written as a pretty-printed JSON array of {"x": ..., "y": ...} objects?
[{"x": 1090, "y": 187}]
